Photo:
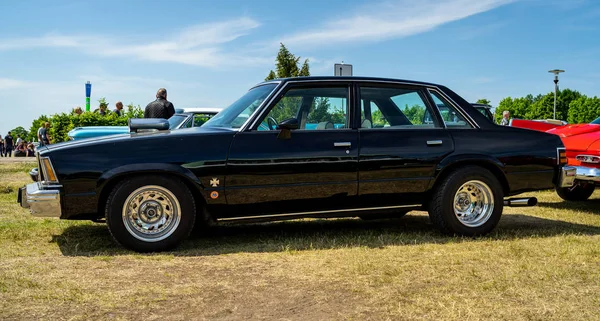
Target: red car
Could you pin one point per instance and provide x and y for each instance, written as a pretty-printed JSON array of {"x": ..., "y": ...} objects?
[{"x": 583, "y": 152}]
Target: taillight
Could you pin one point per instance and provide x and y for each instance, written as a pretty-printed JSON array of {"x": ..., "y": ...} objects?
[
  {"x": 562, "y": 156},
  {"x": 589, "y": 159}
]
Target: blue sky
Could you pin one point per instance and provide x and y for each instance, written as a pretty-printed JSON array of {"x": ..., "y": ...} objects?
[{"x": 207, "y": 53}]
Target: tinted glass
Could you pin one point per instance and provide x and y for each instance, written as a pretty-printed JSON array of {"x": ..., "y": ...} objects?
[
  {"x": 237, "y": 113},
  {"x": 315, "y": 108},
  {"x": 596, "y": 121},
  {"x": 451, "y": 117},
  {"x": 175, "y": 120},
  {"x": 385, "y": 107}
]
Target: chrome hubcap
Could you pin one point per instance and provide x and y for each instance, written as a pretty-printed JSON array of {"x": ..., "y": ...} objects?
[
  {"x": 473, "y": 203},
  {"x": 151, "y": 213}
]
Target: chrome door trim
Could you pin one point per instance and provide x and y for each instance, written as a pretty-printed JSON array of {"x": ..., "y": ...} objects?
[{"x": 225, "y": 219}]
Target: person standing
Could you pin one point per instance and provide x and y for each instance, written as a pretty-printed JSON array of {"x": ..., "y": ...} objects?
[
  {"x": 19, "y": 140},
  {"x": 118, "y": 109},
  {"x": 8, "y": 145},
  {"x": 1, "y": 146},
  {"x": 42, "y": 134},
  {"x": 161, "y": 107},
  {"x": 505, "y": 118}
]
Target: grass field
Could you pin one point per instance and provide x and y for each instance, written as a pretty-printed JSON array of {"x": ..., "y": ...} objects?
[{"x": 541, "y": 263}]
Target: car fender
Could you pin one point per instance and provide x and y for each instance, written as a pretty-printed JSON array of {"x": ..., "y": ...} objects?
[
  {"x": 147, "y": 168},
  {"x": 486, "y": 161}
]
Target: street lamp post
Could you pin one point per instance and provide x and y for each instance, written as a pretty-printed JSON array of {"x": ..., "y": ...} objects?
[{"x": 555, "y": 72}]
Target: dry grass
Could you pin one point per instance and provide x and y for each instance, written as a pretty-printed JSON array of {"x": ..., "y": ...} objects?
[{"x": 541, "y": 263}]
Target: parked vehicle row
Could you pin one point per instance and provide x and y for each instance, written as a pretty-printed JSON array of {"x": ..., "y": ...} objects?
[
  {"x": 582, "y": 142},
  {"x": 183, "y": 118},
  {"x": 302, "y": 147}
]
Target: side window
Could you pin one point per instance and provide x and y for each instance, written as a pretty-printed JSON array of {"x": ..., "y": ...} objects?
[
  {"x": 372, "y": 117},
  {"x": 451, "y": 117},
  {"x": 200, "y": 119},
  {"x": 387, "y": 107},
  {"x": 315, "y": 109}
]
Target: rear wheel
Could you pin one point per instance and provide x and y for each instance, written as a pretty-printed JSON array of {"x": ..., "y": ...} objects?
[
  {"x": 150, "y": 213},
  {"x": 576, "y": 193},
  {"x": 468, "y": 202}
]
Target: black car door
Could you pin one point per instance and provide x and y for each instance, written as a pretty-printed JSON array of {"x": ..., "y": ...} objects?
[
  {"x": 402, "y": 139},
  {"x": 309, "y": 169}
]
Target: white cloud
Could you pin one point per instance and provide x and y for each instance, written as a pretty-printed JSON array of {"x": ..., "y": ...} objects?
[
  {"x": 7, "y": 83},
  {"x": 392, "y": 20},
  {"x": 200, "y": 45}
]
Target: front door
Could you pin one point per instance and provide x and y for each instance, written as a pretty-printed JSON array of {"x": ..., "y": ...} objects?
[
  {"x": 309, "y": 169},
  {"x": 402, "y": 141}
]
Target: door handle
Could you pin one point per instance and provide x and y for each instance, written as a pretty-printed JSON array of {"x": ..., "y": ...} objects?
[
  {"x": 434, "y": 142},
  {"x": 342, "y": 144}
]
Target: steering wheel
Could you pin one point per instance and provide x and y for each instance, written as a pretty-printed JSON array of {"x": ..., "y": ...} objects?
[{"x": 272, "y": 123}]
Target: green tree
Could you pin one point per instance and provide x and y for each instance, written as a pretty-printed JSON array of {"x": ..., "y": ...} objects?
[
  {"x": 584, "y": 110},
  {"x": 36, "y": 124},
  {"x": 483, "y": 101},
  {"x": 20, "y": 131},
  {"x": 305, "y": 70},
  {"x": 286, "y": 65}
]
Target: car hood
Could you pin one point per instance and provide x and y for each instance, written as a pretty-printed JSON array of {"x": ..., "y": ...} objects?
[
  {"x": 573, "y": 130},
  {"x": 132, "y": 137}
]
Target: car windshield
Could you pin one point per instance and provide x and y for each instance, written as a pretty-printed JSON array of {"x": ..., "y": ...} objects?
[
  {"x": 175, "y": 120},
  {"x": 237, "y": 113},
  {"x": 596, "y": 121}
]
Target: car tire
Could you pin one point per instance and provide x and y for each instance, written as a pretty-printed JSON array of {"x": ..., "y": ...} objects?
[
  {"x": 577, "y": 193},
  {"x": 387, "y": 216},
  {"x": 150, "y": 213},
  {"x": 468, "y": 202}
]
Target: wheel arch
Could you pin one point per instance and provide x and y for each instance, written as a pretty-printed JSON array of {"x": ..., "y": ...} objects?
[
  {"x": 449, "y": 165},
  {"x": 111, "y": 178}
]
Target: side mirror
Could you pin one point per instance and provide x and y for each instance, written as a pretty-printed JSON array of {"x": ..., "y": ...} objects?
[
  {"x": 289, "y": 124},
  {"x": 286, "y": 126}
]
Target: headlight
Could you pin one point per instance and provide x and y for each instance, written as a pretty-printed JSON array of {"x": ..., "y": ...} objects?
[{"x": 48, "y": 170}]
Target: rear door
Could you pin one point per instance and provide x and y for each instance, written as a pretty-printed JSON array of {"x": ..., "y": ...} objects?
[{"x": 402, "y": 139}]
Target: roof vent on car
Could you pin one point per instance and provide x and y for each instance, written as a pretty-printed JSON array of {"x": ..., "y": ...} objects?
[{"x": 137, "y": 124}]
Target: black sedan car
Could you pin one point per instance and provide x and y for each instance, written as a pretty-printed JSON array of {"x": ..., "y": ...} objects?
[{"x": 302, "y": 147}]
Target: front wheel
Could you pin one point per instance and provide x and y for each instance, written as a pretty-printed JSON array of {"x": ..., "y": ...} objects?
[
  {"x": 150, "y": 213},
  {"x": 468, "y": 202},
  {"x": 576, "y": 193}
]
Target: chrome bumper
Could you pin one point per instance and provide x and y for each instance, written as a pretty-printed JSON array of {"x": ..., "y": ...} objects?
[
  {"x": 42, "y": 201},
  {"x": 567, "y": 176},
  {"x": 587, "y": 174}
]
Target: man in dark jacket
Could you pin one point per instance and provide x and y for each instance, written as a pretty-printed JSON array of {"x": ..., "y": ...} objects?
[
  {"x": 8, "y": 145},
  {"x": 161, "y": 107}
]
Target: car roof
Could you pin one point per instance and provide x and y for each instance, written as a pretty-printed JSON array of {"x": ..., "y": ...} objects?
[
  {"x": 481, "y": 105},
  {"x": 199, "y": 110},
  {"x": 348, "y": 78}
]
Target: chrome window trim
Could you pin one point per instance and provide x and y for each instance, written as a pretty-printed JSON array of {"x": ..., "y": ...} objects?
[
  {"x": 317, "y": 212},
  {"x": 263, "y": 108},
  {"x": 260, "y": 107},
  {"x": 456, "y": 106},
  {"x": 251, "y": 122}
]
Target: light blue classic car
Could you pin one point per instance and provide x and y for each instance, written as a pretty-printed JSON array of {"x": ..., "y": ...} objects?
[{"x": 184, "y": 118}]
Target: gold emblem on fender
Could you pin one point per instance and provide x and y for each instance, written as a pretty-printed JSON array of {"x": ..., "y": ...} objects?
[{"x": 214, "y": 182}]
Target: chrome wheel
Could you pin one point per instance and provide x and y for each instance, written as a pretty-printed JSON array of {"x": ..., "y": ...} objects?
[
  {"x": 474, "y": 203},
  {"x": 151, "y": 213}
]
